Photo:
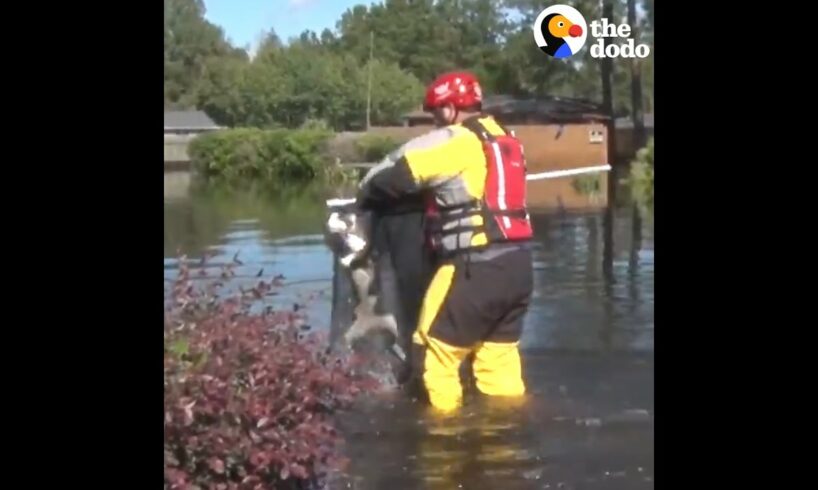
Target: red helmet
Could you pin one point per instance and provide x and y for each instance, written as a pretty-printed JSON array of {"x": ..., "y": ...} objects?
[{"x": 458, "y": 88}]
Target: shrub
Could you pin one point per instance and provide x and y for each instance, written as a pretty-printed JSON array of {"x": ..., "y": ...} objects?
[
  {"x": 338, "y": 175},
  {"x": 274, "y": 154},
  {"x": 374, "y": 147},
  {"x": 316, "y": 124},
  {"x": 249, "y": 395},
  {"x": 641, "y": 177},
  {"x": 588, "y": 185}
]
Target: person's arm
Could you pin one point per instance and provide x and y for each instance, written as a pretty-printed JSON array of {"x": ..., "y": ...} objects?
[{"x": 415, "y": 166}]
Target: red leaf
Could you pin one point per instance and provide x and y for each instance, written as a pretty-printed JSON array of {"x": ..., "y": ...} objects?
[
  {"x": 216, "y": 465},
  {"x": 189, "y": 412},
  {"x": 298, "y": 471},
  {"x": 259, "y": 459},
  {"x": 255, "y": 398}
]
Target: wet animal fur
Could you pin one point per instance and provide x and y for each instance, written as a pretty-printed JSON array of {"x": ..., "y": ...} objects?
[{"x": 360, "y": 266}]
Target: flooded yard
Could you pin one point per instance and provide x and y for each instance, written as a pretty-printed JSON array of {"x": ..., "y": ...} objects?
[{"x": 587, "y": 421}]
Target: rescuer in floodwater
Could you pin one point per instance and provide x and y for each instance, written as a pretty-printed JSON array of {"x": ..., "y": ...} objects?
[
  {"x": 472, "y": 171},
  {"x": 403, "y": 268}
]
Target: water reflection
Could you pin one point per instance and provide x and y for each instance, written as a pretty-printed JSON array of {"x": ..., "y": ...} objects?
[
  {"x": 577, "y": 306},
  {"x": 576, "y": 427},
  {"x": 270, "y": 232},
  {"x": 585, "y": 424}
]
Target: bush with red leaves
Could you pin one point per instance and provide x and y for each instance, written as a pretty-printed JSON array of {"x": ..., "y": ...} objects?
[{"x": 249, "y": 397}]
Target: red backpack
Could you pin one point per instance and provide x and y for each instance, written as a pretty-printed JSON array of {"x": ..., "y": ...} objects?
[
  {"x": 504, "y": 200},
  {"x": 503, "y": 206}
]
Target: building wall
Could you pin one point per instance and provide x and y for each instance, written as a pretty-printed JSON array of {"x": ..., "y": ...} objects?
[
  {"x": 554, "y": 147},
  {"x": 176, "y": 147}
]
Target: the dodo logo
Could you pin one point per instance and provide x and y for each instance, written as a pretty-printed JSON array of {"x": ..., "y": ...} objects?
[{"x": 560, "y": 31}]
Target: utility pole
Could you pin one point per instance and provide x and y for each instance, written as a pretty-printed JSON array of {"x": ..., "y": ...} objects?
[{"x": 369, "y": 83}]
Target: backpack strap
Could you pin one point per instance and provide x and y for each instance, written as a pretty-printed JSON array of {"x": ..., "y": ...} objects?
[
  {"x": 473, "y": 125},
  {"x": 509, "y": 132}
]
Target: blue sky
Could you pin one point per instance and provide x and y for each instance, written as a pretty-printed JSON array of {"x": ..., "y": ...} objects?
[{"x": 243, "y": 21}]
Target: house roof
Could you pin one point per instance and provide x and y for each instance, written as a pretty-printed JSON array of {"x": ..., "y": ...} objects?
[
  {"x": 547, "y": 108},
  {"x": 190, "y": 120}
]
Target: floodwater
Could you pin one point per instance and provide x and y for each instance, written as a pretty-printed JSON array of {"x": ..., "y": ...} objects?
[{"x": 587, "y": 421}]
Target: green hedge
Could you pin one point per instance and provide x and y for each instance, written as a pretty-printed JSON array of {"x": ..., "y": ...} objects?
[
  {"x": 374, "y": 147},
  {"x": 275, "y": 154}
]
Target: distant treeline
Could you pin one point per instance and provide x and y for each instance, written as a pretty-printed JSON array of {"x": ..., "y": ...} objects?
[{"x": 324, "y": 77}]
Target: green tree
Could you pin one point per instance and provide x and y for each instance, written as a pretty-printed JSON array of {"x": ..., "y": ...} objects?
[
  {"x": 579, "y": 76},
  {"x": 219, "y": 94},
  {"x": 394, "y": 92},
  {"x": 324, "y": 77},
  {"x": 426, "y": 38},
  {"x": 192, "y": 47},
  {"x": 310, "y": 80}
]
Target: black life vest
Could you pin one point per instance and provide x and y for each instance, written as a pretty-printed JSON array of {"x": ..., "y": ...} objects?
[{"x": 503, "y": 205}]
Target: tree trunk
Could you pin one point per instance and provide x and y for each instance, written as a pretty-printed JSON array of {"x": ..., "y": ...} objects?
[
  {"x": 607, "y": 102},
  {"x": 637, "y": 115}
]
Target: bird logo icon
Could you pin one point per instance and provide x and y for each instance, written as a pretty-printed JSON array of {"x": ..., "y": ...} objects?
[{"x": 560, "y": 31}]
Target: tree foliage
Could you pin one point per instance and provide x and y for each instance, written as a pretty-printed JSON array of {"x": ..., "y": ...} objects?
[
  {"x": 641, "y": 176},
  {"x": 193, "y": 48},
  {"x": 325, "y": 76},
  {"x": 257, "y": 154}
]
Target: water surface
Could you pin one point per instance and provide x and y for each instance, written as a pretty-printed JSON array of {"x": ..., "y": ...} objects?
[{"x": 587, "y": 422}]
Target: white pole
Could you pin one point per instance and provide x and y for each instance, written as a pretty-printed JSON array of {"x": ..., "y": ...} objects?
[{"x": 553, "y": 174}]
